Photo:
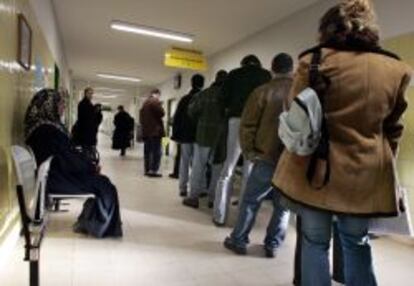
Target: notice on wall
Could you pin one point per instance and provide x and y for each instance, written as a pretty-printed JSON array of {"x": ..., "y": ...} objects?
[{"x": 185, "y": 59}]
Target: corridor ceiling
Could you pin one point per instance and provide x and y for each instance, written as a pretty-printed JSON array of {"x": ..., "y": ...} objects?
[{"x": 91, "y": 46}]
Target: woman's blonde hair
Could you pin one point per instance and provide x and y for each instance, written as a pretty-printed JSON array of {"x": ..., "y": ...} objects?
[{"x": 350, "y": 21}]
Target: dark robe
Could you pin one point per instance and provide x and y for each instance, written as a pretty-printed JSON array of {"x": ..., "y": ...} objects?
[
  {"x": 72, "y": 173},
  {"x": 84, "y": 131},
  {"x": 124, "y": 126}
]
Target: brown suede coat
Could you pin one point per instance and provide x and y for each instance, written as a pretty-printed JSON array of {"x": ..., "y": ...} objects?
[
  {"x": 260, "y": 120},
  {"x": 364, "y": 105}
]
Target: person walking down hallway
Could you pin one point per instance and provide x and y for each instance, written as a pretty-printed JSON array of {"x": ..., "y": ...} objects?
[
  {"x": 150, "y": 117},
  {"x": 261, "y": 145},
  {"x": 71, "y": 172},
  {"x": 84, "y": 130},
  {"x": 208, "y": 109},
  {"x": 184, "y": 132},
  {"x": 123, "y": 133},
  {"x": 364, "y": 104},
  {"x": 238, "y": 86}
]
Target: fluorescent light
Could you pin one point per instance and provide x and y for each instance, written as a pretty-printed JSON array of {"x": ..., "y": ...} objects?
[
  {"x": 105, "y": 96},
  {"x": 118, "y": 77},
  {"x": 151, "y": 31},
  {"x": 108, "y": 89}
]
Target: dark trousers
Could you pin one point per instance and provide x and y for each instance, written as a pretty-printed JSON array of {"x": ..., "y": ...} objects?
[
  {"x": 152, "y": 154},
  {"x": 338, "y": 263}
]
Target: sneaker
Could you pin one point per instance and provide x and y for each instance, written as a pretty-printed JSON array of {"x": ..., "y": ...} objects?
[
  {"x": 270, "y": 252},
  {"x": 191, "y": 202},
  {"x": 219, "y": 224},
  {"x": 229, "y": 244}
]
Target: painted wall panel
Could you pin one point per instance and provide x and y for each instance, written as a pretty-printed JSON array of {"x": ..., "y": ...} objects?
[{"x": 16, "y": 89}]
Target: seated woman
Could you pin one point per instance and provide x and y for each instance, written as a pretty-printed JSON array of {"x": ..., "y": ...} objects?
[{"x": 71, "y": 172}]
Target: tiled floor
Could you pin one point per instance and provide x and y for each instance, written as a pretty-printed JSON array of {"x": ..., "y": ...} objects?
[{"x": 167, "y": 244}]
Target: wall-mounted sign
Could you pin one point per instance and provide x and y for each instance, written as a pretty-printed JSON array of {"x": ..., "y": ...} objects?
[
  {"x": 24, "y": 53},
  {"x": 185, "y": 59}
]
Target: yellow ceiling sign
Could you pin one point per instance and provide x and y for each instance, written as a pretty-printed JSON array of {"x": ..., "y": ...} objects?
[{"x": 185, "y": 59}]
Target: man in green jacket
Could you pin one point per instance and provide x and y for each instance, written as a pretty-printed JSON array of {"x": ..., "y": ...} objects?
[{"x": 208, "y": 109}]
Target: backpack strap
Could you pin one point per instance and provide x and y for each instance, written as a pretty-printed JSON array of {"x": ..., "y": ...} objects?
[{"x": 322, "y": 151}]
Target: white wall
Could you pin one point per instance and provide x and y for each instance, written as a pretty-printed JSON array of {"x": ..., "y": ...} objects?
[
  {"x": 46, "y": 19},
  {"x": 295, "y": 34}
]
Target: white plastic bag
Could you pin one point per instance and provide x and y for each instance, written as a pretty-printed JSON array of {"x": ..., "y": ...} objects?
[{"x": 401, "y": 225}]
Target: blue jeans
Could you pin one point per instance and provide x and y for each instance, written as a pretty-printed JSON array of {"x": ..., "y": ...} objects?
[
  {"x": 198, "y": 180},
  {"x": 316, "y": 236},
  {"x": 257, "y": 188}
]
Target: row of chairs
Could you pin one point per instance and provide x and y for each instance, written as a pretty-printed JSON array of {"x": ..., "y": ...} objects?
[{"x": 35, "y": 203}]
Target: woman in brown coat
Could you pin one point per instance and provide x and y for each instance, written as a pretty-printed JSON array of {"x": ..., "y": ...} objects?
[{"x": 363, "y": 104}]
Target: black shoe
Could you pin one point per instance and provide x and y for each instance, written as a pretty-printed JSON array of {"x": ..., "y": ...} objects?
[
  {"x": 270, "y": 252},
  {"x": 191, "y": 202},
  {"x": 210, "y": 205},
  {"x": 235, "y": 203},
  {"x": 173, "y": 176},
  {"x": 229, "y": 244},
  {"x": 155, "y": 175},
  {"x": 183, "y": 194},
  {"x": 202, "y": 195}
]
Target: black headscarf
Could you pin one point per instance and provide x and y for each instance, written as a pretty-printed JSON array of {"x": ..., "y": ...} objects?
[{"x": 43, "y": 109}]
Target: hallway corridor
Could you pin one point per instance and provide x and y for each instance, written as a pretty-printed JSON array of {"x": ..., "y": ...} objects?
[{"x": 167, "y": 244}]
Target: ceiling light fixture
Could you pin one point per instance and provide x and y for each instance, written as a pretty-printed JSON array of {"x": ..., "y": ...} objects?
[
  {"x": 108, "y": 89},
  {"x": 118, "y": 77},
  {"x": 151, "y": 31},
  {"x": 106, "y": 96}
]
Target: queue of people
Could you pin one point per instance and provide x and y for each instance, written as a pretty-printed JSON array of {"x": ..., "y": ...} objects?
[{"x": 348, "y": 175}]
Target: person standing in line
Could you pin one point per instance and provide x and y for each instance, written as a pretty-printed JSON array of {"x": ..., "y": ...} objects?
[
  {"x": 238, "y": 86},
  {"x": 207, "y": 108},
  {"x": 364, "y": 104},
  {"x": 184, "y": 132},
  {"x": 124, "y": 126},
  {"x": 98, "y": 120},
  {"x": 176, "y": 170},
  {"x": 84, "y": 129},
  {"x": 263, "y": 147},
  {"x": 150, "y": 116}
]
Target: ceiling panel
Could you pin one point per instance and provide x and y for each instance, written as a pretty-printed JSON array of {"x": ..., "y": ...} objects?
[{"x": 91, "y": 46}]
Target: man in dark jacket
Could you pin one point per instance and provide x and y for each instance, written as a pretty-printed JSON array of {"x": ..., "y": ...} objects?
[
  {"x": 124, "y": 126},
  {"x": 84, "y": 130},
  {"x": 150, "y": 117},
  {"x": 184, "y": 132},
  {"x": 261, "y": 145},
  {"x": 98, "y": 120},
  {"x": 208, "y": 108},
  {"x": 237, "y": 88}
]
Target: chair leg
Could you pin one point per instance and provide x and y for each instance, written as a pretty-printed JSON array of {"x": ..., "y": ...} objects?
[
  {"x": 34, "y": 273},
  {"x": 57, "y": 205}
]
